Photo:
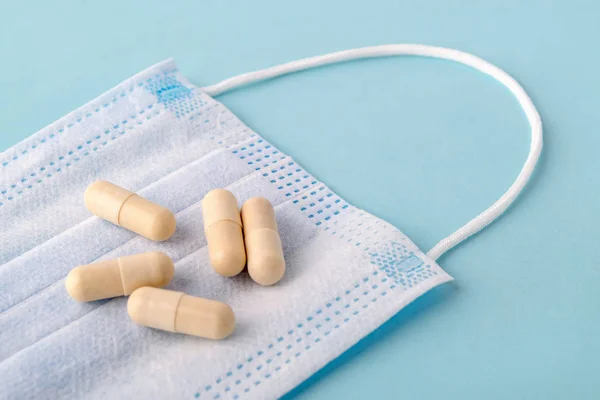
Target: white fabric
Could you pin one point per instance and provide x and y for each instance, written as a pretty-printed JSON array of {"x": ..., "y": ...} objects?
[{"x": 164, "y": 138}]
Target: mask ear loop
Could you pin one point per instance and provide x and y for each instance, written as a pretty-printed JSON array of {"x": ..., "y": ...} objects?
[{"x": 496, "y": 209}]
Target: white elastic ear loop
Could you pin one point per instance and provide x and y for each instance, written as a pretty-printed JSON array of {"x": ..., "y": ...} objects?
[{"x": 496, "y": 209}]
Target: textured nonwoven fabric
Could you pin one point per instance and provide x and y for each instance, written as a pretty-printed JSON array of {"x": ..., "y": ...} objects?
[{"x": 162, "y": 137}]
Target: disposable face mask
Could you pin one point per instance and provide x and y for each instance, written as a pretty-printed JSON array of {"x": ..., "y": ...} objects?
[{"x": 162, "y": 137}]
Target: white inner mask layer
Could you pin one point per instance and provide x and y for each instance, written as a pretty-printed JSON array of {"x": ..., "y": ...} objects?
[{"x": 157, "y": 134}]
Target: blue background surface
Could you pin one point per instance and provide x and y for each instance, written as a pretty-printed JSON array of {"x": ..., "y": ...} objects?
[{"x": 423, "y": 144}]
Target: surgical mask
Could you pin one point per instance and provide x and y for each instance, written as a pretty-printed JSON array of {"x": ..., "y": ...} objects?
[{"x": 170, "y": 141}]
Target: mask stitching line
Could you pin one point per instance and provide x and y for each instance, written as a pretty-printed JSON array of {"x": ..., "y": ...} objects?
[
  {"x": 86, "y": 147},
  {"x": 413, "y": 294},
  {"x": 102, "y": 304},
  {"x": 68, "y": 126},
  {"x": 351, "y": 306},
  {"x": 89, "y": 111},
  {"x": 322, "y": 209},
  {"x": 216, "y": 151},
  {"x": 325, "y": 318},
  {"x": 292, "y": 174}
]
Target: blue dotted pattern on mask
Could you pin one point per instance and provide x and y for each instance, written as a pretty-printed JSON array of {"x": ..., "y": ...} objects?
[
  {"x": 312, "y": 198},
  {"x": 103, "y": 103},
  {"x": 292, "y": 344},
  {"x": 397, "y": 263},
  {"x": 402, "y": 265},
  {"x": 71, "y": 156},
  {"x": 321, "y": 206},
  {"x": 177, "y": 98},
  {"x": 397, "y": 268}
]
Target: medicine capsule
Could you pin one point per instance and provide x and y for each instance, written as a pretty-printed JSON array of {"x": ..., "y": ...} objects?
[
  {"x": 177, "y": 312},
  {"x": 124, "y": 208},
  {"x": 119, "y": 277},
  {"x": 223, "y": 230},
  {"x": 266, "y": 264}
]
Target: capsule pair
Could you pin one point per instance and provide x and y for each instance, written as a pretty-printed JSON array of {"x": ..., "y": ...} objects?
[
  {"x": 141, "y": 276},
  {"x": 235, "y": 239}
]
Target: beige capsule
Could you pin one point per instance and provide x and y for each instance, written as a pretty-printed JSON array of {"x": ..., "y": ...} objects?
[
  {"x": 124, "y": 208},
  {"x": 266, "y": 264},
  {"x": 177, "y": 312},
  {"x": 223, "y": 231},
  {"x": 119, "y": 277}
]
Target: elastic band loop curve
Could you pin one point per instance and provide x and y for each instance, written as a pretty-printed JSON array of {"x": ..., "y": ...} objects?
[{"x": 496, "y": 209}]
